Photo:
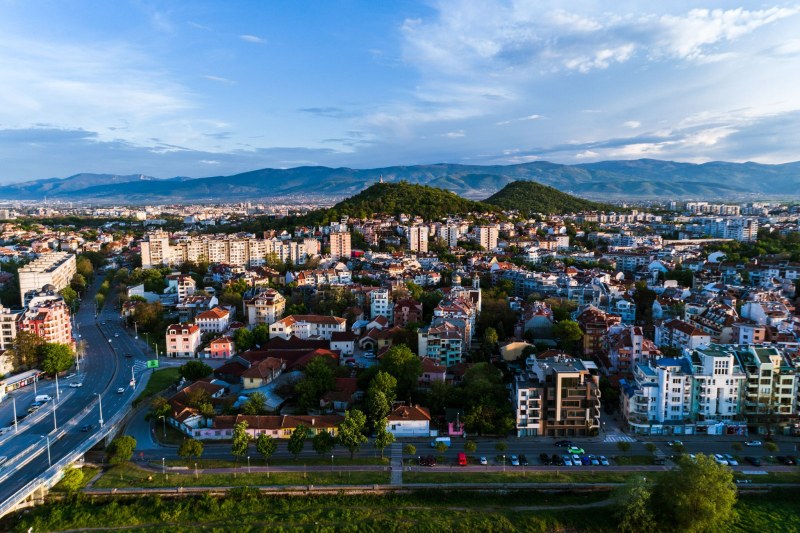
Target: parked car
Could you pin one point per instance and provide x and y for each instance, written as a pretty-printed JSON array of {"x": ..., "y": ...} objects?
[
  {"x": 792, "y": 458},
  {"x": 785, "y": 460},
  {"x": 75, "y": 385},
  {"x": 427, "y": 461},
  {"x": 462, "y": 459},
  {"x": 545, "y": 459},
  {"x": 719, "y": 458},
  {"x": 576, "y": 460},
  {"x": 593, "y": 460},
  {"x": 557, "y": 460},
  {"x": 523, "y": 460},
  {"x": 603, "y": 460},
  {"x": 514, "y": 460},
  {"x": 731, "y": 460},
  {"x": 483, "y": 460},
  {"x": 755, "y": 461},
  {"x": 87, "y": 427},
  {"x": 752, "y": 443},
  {"x": 674, "y": 443},
  {"x": 575, "y": 450},
  {"x": 565, "y": 443},
  {"x": 567, "y": 460}
]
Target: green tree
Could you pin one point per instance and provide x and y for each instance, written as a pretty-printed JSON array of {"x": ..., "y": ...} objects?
[
  {"x": 489, "y": 338},
  {"x": 83, "y": 266},
  {"x": 633, "y": 511},
  {"x": 70, "y": 296},
  {"x": 405, "y": 366},
  {"x": 323, "y": 442},
  {"x": 99, "y": 300},
  {"x": 441, "y": 447},
  {"x": 56, "y": 357},
  {"x": 120, "y": 450},
  {"x": 266, "y": 446},
  {"x": 26, "y": 349},
  {"x": 624, "y": 447},
  {"x": 699, "y": 495},
  {"x": 241, "y": 440},
  {"x": 243, "y": 339},
  {"x": 383, "y": 437},
  {"x": 470, "y": 446},
  {"x": 72, "y": 480},
  {"x": 410, "y": 449},
  {"x": 351, "y": 431},
  {"x": 159, "y": 406},
  {"x": 194, "y": 370},
  {"x": 255, "y": 404},
  {"x": 190, "y": 448},
  {"x": 298, "y": 440},
  {"x": 316, "y": 381},
  {"x": 568, "y": 333},
  {"x": 78, "y": 283}
]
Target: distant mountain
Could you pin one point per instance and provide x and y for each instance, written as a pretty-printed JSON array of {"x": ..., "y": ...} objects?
[
  {"x": 431, "y": 203},
  {"x": 606, "y": 180},
  {"x": 529, "y": 196}
]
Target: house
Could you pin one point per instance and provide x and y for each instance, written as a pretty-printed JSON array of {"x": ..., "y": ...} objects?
[
  {"x": 627, "y": 347},
  {"x": 679, "y": 334},
  {"x": 262, "y": 372},
  {"x": 215, "y": 320},
  {"x": 432, "y": 372},
  {"x": 221, "y": 348},
  {"x": 278, "y": 427},
  {"x": 267, "y": 307},
  {"x": 306, "y": 326},
  {"x": 376, "y": 340},
  {"x": 342, "y": 396},
  {"x": 344, "y": 342},
  {"x": 183, "y": 340},
  {"x": 191, "y": 306},
  {"x": 407, "y": 311},
  {"x": 409, "y": 421}
]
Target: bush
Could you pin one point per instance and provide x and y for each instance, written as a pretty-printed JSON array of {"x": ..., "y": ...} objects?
[{"x": 624, "y": 447}]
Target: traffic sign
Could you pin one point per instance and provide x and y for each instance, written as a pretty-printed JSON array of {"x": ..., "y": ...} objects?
[{"x": 152, "y": 363}]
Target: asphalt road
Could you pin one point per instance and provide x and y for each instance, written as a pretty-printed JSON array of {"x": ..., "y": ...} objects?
[{"x": 103, "y": 370}]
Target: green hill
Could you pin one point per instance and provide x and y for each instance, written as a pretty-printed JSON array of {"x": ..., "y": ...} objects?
[
  {"x": 396, "y": 198},
  {"x": 529, "y": 196}
]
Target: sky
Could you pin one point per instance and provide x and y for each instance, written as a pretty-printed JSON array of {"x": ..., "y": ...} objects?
[{"x": 202, "y": 88}]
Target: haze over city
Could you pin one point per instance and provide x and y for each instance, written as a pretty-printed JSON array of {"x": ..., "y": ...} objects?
[{"x": 208, "y": 88}]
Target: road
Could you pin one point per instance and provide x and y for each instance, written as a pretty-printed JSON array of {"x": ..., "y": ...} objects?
[{"x": 103, "y": 370}]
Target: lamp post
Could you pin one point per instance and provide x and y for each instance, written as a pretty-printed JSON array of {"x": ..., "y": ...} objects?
[
  {"x": 164, "y": 421},
  {"x": 331, "y": 462},
  {"x": 49, "y": 462},
  {"x": 195, "y": 471},
  {"x": 16, "y": 429},
  {"x": 55, "y": 422},
  {"x": 164, "y": 467},
  {"x": 100, "y": 400},
  {"x": 504, "y": 463},
  {"x": 58, "y": 394},
  {"x": 136, "y": 331},
  {"x": 248, "y": 464}
]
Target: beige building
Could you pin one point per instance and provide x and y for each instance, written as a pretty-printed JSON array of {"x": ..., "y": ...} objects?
[
  {"x": 265, "y": 308},
  {"x": 487, "y": 236},
  {"x": 340, "y": 245},
  {"x": 307, "y": 326},
  {"x": 9, "y": 325},
  {"x": 54, "y": 268}
]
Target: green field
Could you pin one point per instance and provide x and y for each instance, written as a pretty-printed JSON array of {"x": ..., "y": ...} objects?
[
  {"x": 160, "y": 380},
  {"x": 246, "y": 510},
  {"x": 258, "y": 460},
  {"x": 516, "y": 476}
]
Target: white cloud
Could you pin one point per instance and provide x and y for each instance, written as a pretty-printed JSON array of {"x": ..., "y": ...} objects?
[
  {"x": 252, "y": 39},
  {"x": 587, "y": 154},
  {"x": 520, "y": 119},
  {"x": 632, "y": 124},
  {"x": 454, "y": 134},
  {"x": 219, "y": 79}
]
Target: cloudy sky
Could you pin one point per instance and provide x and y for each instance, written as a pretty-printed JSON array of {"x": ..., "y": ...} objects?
[{"x": 179, "y": 88}]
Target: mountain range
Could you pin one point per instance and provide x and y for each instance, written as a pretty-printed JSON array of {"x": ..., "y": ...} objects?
[{"x": 606, "y": 180}]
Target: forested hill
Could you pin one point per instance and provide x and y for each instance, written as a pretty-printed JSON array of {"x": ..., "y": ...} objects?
[{"x": 529, "y": 196}]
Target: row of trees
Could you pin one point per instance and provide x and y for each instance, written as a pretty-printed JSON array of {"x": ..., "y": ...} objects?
[{"x": 31, "y": 351}]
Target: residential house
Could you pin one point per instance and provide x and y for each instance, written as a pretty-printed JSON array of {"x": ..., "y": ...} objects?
[
  {"x": 409, "y": 421},
  {"x": 262, "y": 373},
  {"x": 627, "y": 346},
  {"x": 344, "y": 342},
  {"x": 183, "y": 340},
  {"x": 267, "y": 307},
  {"x": 215, "y": 320},
  {"x": 407, "y": 311},
  {"x": 679, "y": 334},
  {"x": 307, "y": 326},
  {"x": 221, "y": 348}
]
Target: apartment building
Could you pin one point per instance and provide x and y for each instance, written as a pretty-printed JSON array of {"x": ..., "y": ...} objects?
[
  {"x": 557, "y": 397},
  {"x": 595, "y": 325},
  {"x": 417, "y": 236},
  {"x": 183, "y": 340},
  {"x": 442, "y": 342},
  {"x": 340, "y": 245},
  {"x": 48, "y": 318},
  {"x": 307, "y": 326},
  {"x": 9, "y": 325},
  {"x": 718, "y": 383},
  {"x": 771, "y": 381},
  {"x": 627, "y": 347},
  {"x": 215, "y": 320},
  {"x": 156, "y": 250},
  {"x": 486, "y": 236},
  {"x": 54, "y": 268},
  {"x": 380, "y": 304},
  {"x": 679, "y": 334},
  {"x": 658, "y": 399},
  {"x": 265, "y": 308}
]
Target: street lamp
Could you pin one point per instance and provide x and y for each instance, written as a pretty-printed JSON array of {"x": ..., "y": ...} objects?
[
  {"x": 164, "y": 420},
  {"x": 248, "y": 464},
  {"x": 163, "y": 467},
  {"x": 195, "y": 471},
  {"x": 49, "y": 462},
  {"x": 100, "y": 399},
  {"x": 55, "y": 422},
  {"x": 16, "y": 429},
  {"x": 504, "y": 463}
]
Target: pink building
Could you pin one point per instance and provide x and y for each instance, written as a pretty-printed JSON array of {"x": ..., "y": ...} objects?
[
  {"x": 221, "y": 348},
  {"x": 183, "y": 340}
]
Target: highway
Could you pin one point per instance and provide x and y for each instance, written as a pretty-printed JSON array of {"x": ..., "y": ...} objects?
[{"x": 103, "y": 370}]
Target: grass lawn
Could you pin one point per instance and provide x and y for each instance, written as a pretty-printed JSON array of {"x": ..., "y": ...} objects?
[
  {"x": 160, "y": 380},
  {"x": 630, "y": 460},
  {"x": 257, "y": 460},
  {"x": 173, "y": 436},
  {"x": 515, "y": 476},
  {"x": 88, "y": 473},
  {"x": 130, "y": 475}
]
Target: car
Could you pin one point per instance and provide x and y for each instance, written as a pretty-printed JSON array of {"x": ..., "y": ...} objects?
[
  {"x": 462, "y": 459},
  {"x": 545, "y": 459},
  {"x": 566, "y": 460},
  {"x": 752, "y": 443},
  {"x": 575, "y": 450},
  {"x": 594, "y": 461},
  {"x": 556, "y": 460},
  {"x": 731, "y": 460},
  {"x": 116, "y": 334},
  {"x": 128, "y": 355},
  {"x": 755, "y": 461},
  {"x": 744, "y": 481},
  {"x": 87, "y": 427},
  {"x": 120, "y": 390},
  {"x": 720, "y": 459},
  {"x": 576, "y": 460},
  {"x": 483, "y": 460},
  {"x": 3, "y": 459},
  {"x": 523, "y": 460},
  {"x": 585, "y": 461},
  {"x": 75, "y": 385},
  {"x": 369, "y": 355},
  {"x": 785, "y": 460},
  {"x": 603, "y": 460},
  {"x": 514, "y": 460},
  {"x": 792, "y": 458},
  {"x": 564, "y": 443},
  {"x": 674, "y": 443},
  {"x": 351, "y": 363}
]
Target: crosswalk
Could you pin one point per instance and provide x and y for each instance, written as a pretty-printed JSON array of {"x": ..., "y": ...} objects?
[
  {"x": 139, "y": 366},
  {"x": 618, "y": 437}
]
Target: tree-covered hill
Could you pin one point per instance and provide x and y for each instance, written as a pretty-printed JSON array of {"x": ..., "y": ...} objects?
[{"x": 529, "y": 196}]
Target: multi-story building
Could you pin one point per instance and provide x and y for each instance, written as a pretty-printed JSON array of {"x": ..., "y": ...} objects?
[
  {"x": 156, "y": 250},
  {"x": 47, "y": 316},
  {"x": 9, "y": 325},
  {"x": 658, "y": 398},
  {"x": 557, "y": 397},
  {"x": 340, "y": 245},
  {"x": 771, "y": 380},
  {"x": 449, "y": 233},
  {"x": 380, "y": 304},
  {"x": 215, "y": 320},
  {"x": 595, "y": 325},
  {"x": 486, "y": 236},
  {"x": 718, "y": 383},
  {"x": 679, "y": 334},
  {"x": 407, "y": 311},
  {"x": 442, "y": 342},
  {"x": 628, "y": 347},
  {"x": 183, "y": 340},
  {"x": 307, "y": 326},
  {"x": 417, "y": 236},
  {"x": 265, "y": 308},
  {"x": 55, "y": 268}
]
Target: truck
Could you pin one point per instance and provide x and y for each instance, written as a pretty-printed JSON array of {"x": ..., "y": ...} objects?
[
  {"x": 437, "y": 440},
  {"x": 43, "y": 398}
]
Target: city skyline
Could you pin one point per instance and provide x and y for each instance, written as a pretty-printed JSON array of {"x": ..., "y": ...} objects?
[{"x": 203, "y": 89}]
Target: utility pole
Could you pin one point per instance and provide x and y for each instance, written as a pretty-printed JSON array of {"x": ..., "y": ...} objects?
[
  {"x": 100, "y": 399},
  {"x": 16, "y": 428},
  {"x": 58, "y": 394},
  {"x": 55, "y": 422}
]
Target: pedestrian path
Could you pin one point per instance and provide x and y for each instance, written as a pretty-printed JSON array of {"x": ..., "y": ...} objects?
[
  {"x": 396, "y": 452},
  {"x": 618, "y": 437}
]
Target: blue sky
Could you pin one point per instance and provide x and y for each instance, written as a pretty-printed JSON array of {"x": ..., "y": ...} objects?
[{"x": 171, "y": 88}]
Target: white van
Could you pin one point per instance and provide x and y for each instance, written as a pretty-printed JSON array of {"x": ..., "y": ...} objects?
[
  {"x": 437, "y": 440},
  {"x": 43, "y": 398}
]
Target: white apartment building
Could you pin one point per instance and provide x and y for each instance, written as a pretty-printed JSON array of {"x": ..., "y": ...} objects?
[
  {"x": 265, "y": 308},
  {"x": 417, "y": 236},
  {"x": 307, "y": 326},
  {"x": 215, "y": 320},
  {"x": 659, "y": 393},
  {"x": 380, "y": 304},
  {"x": 54, "y": 268},
  {"x": 486, "y": 236},
  {"x": 718, "y": 383},
  {"x": 156, "y": 250},
  {"x": 679, "y": 334},
  {"x": 9, "y": 325},
  {"x": 449, "y": 233}
]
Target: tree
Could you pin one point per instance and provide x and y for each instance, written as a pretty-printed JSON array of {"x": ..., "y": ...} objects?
[
  {"x": 383, "y": 437},
  {"x": 633, "y": 513},
  {"x": 298, "y": 440},
  {"x": 266, "y": 446},
  {"x": 410, "y": 449},
  {"x": 317, "y": 380},
  {"x": 652, "y": 448},
  {"x": 405, "y": 366},
  {"x": 159, "y": 406},
  {"x": 56, "y": 357},
  {"x": 489, "y": 338},
  {"x": 243, "y": 338},
  {"x": 441, "y": 447},
  {"x": 70, "y": 296},
  {"x": 699, "y": 495},
  {"x": 568, "y": 332},
  {"x": 99, "y": 300},
  {"x": 323, "y": 442},
  {"x": 470, "y": 446},
  {"x": 501, "y": 446},
  {"x": 120, "y": 450},
  {"x": 380, "y": 395},
  {"x": 72, "y": 480},
  {"x": 241, "y": 440},
  {"x": 190, "y": 448},
  {"x": 26, "y": 349},
  {"x": 255, "y": 404},
  {"x": 351, "y": 431},
  {"x": 194, "y": 370},
  {"x": 623, "y": 446}
]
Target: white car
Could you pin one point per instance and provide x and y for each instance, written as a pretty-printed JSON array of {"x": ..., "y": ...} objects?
[
  {"x": 753, "y": 443},
  {"x": 720, "y": 459},
  {"x": 731, "y": 460},
  {"x": 484, "y": 461},
  {"x": 120, "y": 390},
  {"x": 75, "y": 385}
]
